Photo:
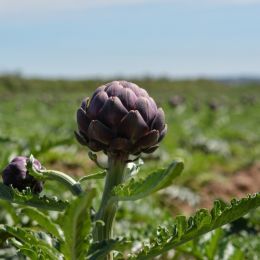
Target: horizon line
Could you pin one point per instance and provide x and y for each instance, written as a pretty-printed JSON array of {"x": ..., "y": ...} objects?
[{"x": 234, "y": 77}]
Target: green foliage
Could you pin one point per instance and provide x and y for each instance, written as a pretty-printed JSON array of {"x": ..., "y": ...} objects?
[
  {"x": 135, "y": 189},
  {"x": 44, "y": 221},
  {"x": 73, "y": 233},
  {"x": 99, "y": 250},
  {"x": 226, "y": 243},
  {"x": 76, "y": 225},
  {"x": 212, "y": 245},
  {"x": 202, "y": 222},
  {"x": 211, "y": 142},
  {"x": 25, "y": 250},
  {"x": 27, "y": 198},
  {"x": 30, "y": 242},
  {"x": 9, "y": 208}
]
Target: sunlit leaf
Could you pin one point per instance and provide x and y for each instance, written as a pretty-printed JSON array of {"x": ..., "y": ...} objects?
[
  {"x": 135, "y": 189},
  {"x": 202, "y": 222},
  {"x": 44, "y": 221}
]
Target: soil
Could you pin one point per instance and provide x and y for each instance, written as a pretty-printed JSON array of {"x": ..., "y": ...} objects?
[{"x": 237, "y": 185}]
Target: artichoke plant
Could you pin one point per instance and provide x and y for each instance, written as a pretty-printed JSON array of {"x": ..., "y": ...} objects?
[
  {"x": 120, "y": 116},
  {"x": 16, "y": 174},
  {"x": 120, "y": 119}
]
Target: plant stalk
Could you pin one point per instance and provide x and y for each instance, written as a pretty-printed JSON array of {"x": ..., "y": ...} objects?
[
  {"x": 108, "y": 207},
  {"x": 43, "y": 175},
  {"x": 61, "y": 177},
  {"x": 69, "y": 182}
]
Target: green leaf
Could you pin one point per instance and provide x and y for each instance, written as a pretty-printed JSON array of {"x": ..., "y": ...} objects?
[
  {"x": 27, "y": 198},
  {"x": 237, "y": 255},
  {"x": 191, "y": 249},
  {"x": 212, "y": 245},
  {"x": 99, "y": 250},
  {"x": 135, "y": 189},
  {"x": 28, "y": 240},
  {"x": 202, "y": 222},
  {"x": 76, "y": 227},
  {"x": 44, "y": 221},
  {"x": 29, "y": 252}
]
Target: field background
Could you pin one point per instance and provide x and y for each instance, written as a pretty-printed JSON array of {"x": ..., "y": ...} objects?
[{"x": 216, "y": 131}]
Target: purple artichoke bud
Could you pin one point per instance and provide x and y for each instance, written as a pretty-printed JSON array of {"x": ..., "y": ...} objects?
[
  {"x": 17, "y": 175},
  {"x": 120, "y": 116}
]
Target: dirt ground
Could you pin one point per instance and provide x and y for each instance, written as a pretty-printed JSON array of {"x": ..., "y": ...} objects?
[{"x": 237, "y": 185}]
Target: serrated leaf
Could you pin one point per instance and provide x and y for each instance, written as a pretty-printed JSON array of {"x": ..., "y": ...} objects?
[
  {"x": 76, "y": 227},
  {"x": 27, "y": 198},
  {"x": 181, "y": 226},
  {"x": 99, "y": 250},
  {"x": 135, "y": 189},
  {"x": 44, "y": 221},
  {"x": 28, "y": 239},
  {"x": 202, "y": 222}
]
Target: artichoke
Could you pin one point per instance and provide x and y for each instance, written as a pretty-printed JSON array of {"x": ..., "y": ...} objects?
[
  {"x": 17, "y": 175},
  {"x": 120, "y": 117}
]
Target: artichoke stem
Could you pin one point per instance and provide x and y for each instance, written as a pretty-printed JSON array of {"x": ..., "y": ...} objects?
[
  {"x": 61, "y": 177},
  {"x": 108, "y": 207},
  {"x": 68, "y": 181}
]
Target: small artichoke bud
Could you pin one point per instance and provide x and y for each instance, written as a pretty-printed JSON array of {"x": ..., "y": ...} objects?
[
  {"x": 120, "y": 117},
  {"x": 17, "y": 175}
]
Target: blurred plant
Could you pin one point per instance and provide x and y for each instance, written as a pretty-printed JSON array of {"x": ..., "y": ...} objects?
[
  {"x": 121, "y": 120},
  {"x": 248, "y": 100},
  {"x": 213, "y": 105},
  {"x": 176, "y": 101}
]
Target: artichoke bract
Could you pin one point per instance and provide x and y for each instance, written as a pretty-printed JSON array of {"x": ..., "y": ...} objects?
[
  {"x": 17, "y": 175},
  {"x": 120, "y": 117}
]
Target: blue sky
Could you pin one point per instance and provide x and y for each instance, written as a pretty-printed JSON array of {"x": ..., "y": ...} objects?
[{"x": 81, "y": 38}]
